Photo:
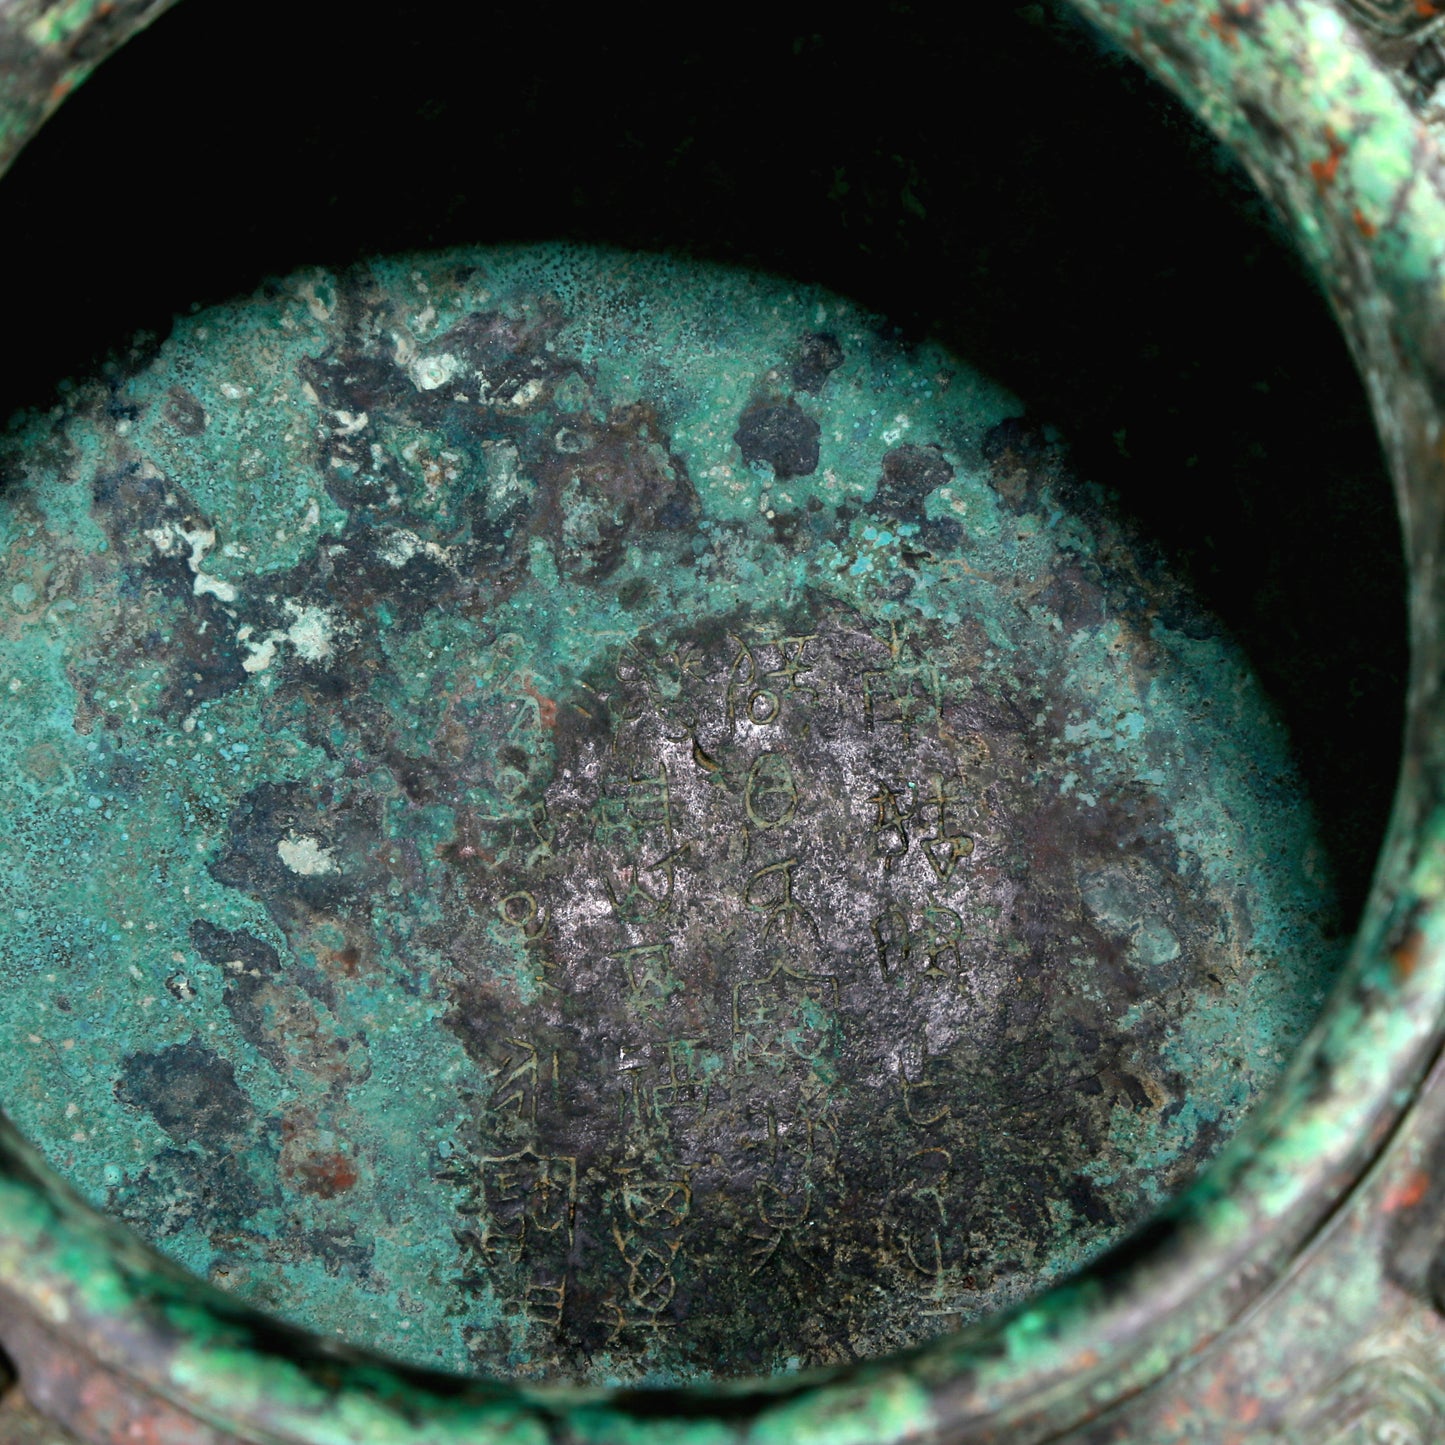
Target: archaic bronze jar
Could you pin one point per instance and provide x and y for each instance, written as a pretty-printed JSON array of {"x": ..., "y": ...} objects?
[{"x": 711, "y": 772}]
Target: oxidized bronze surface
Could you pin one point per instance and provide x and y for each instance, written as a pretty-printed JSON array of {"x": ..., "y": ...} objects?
[
  {"x": 577, "y": 816},
  {"x": 590, "y": 818}
]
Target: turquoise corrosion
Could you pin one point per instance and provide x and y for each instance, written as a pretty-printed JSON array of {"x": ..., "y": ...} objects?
[{"x": 559, "y": 801}]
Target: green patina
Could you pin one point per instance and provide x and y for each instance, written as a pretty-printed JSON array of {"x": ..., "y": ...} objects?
[
  {"x": 557, "y": 797},
  {"x": 64, "y": 1267}
]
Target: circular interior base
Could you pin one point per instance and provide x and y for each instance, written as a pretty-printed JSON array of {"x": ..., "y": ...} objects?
[{"x": 577, "y": 816}]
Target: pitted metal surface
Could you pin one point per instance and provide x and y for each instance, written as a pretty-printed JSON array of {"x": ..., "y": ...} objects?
[{"x": 580, "y": 816}]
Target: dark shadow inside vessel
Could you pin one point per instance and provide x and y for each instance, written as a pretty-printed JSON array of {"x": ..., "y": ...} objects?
[{"x": 1003, "y": 183}]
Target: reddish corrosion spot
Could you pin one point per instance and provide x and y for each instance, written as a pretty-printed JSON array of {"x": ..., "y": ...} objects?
[
  {"x": 1406, "y": 958},
  {"x": 546, "y": 708},
  {"x": 1229, "y": 20},
  {"x": 112, "y": 1412},
  {"x": 325, "y": 1175},
  {"x": 1225, "y": 1399},
  {"x": 1366, "y": 228},
  {"x": 1426, "y": 8},
  {"x": 345, "y": 961},
  {"x": 322, "y": 1172},
  {"x": 1326, "y": 170},
  {"x": 1406, "y": 1193}
]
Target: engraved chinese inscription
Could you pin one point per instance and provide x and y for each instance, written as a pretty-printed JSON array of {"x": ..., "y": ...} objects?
[{"x": 794, "y": 926}]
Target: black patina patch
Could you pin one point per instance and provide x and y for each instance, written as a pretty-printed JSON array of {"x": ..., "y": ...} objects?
[
  {"x": 910, "y": 474},
  {"x": 299, "y": 848},
  {"x": 781, "y": 434},
  {"x": 185, "y": 413},
  {"x": 190, "y": 1091},
  {"x": 820, "y": 354},
  {"x": 181, "y": 1189}
]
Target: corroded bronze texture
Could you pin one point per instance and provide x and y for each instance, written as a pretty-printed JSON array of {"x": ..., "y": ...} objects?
[
  {"x": 663, "y": 831},
  {"x": 590, "y": 818}
]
